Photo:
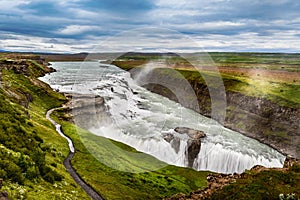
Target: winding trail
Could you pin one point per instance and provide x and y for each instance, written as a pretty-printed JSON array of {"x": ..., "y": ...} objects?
[{"x": 67, "y": 162}]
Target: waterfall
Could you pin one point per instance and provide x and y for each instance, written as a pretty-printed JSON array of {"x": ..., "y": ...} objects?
[{"x": 141, "y": 119}]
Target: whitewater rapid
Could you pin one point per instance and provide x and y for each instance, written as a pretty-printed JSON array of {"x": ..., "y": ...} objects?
[{"x": 141, "y": 118}]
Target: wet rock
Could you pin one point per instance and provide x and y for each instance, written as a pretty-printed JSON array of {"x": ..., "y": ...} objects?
[
  {"x": 168, "y": 137},
  {"x": 175, "y": 144},
  {"x": 258, "y": 168},
  {"x": 192, "y": 151},
  {"x": 192, "y": 133}
]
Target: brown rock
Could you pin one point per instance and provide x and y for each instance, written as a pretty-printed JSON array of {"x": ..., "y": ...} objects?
[{"x": 192, "y": 133}]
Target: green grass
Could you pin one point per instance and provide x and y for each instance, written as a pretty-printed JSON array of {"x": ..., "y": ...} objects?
[
  {"x": 269, "y": 61},
  {"x": 261, "y": 58},
  {"x": 92, "y": 165},
  {"x": 31, "y": 152},
  {"x": 284, "y": 94}
]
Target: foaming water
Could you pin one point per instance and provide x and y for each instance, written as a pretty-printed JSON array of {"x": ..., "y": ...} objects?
[{"x": 141, "y": 118}]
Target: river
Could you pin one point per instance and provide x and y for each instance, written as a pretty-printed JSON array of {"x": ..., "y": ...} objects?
[{"x": 141, "y": 118}]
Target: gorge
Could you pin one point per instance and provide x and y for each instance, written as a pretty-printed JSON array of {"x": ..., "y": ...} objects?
[{"x": 140, "y": 118}]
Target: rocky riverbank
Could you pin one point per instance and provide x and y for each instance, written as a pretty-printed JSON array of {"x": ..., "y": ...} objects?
[{"x": 217, "y": 182}]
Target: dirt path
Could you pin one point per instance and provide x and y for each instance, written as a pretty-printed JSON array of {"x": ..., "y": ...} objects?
[{"x": 67, "y": 162}]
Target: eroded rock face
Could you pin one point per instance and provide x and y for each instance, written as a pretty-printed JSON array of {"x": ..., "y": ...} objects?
[
  {"x": 193, "y": 143},
  {"x": 89, "y": 111}
]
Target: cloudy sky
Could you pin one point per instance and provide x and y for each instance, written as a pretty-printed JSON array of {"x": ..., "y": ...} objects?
[{"x": 149, "y": 25}]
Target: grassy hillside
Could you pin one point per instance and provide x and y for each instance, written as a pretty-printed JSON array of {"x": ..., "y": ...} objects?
[
  {"x": 258, "y": 183},
  {"x": 31, "y": 152},
  {"x": 114, "y": 184},
  {"x": 266, "y": 184}
]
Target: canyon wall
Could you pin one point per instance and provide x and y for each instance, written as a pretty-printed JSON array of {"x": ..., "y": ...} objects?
[{"x": 256, "y": 117}]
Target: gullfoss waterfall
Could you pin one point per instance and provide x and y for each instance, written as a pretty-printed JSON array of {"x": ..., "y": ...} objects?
[{"x": 142, "y": 119}]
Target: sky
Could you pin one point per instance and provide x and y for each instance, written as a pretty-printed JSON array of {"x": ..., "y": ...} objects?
[{"x": 73, "y": 26}]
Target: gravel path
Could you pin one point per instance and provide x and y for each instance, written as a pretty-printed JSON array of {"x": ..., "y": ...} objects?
[{"x": 67, "y": 162}]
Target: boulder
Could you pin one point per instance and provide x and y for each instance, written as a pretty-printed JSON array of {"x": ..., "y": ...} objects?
[{"x": 192, "y": 133}]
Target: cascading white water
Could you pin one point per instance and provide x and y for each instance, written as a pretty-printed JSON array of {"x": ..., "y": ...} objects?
[{"x": 141, "y": 118}]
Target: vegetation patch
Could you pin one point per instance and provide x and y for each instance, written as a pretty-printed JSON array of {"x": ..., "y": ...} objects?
[{"x": 267, "y": 184}]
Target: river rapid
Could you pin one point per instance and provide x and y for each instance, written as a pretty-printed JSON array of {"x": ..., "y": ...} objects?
[{"x": 141, "y": 119}]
